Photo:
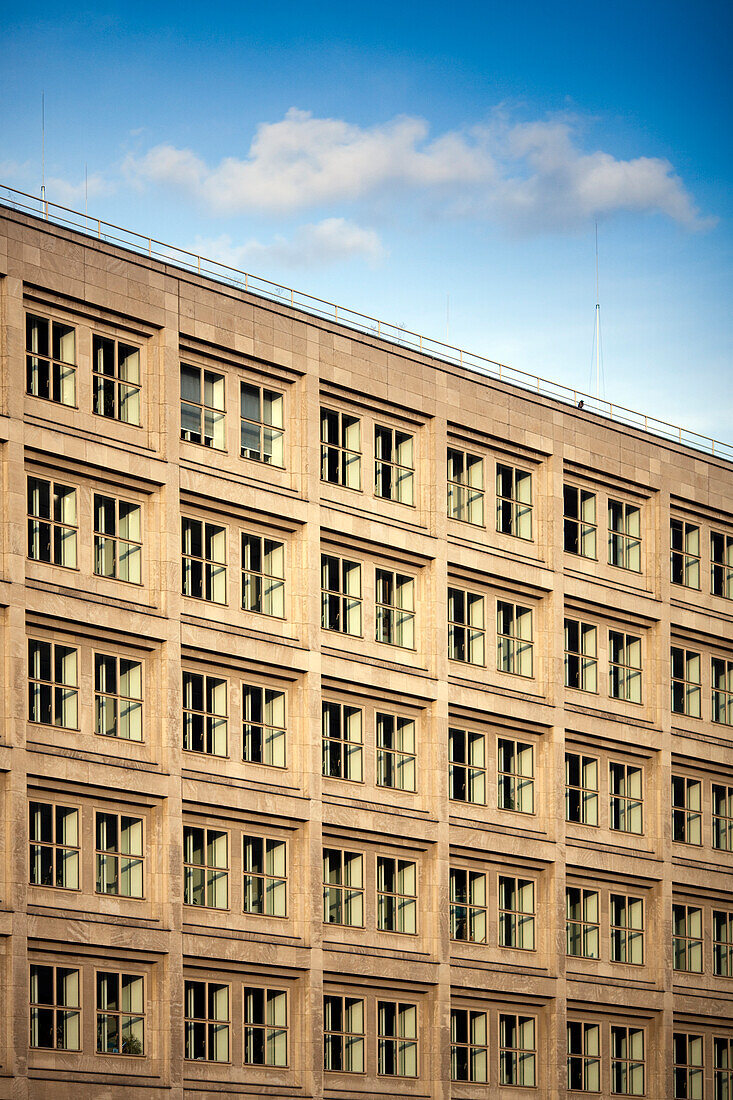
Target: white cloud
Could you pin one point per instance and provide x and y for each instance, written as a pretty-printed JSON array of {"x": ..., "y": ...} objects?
[
  {"x": 73, "y": 194},
  {"x": 333, "y": 240}
]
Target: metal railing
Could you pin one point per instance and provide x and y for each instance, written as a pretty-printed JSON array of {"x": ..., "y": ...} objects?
[{"x": 353, "y": 319}]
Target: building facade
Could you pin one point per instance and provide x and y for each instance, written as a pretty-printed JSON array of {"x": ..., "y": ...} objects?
[{"x": 366, "y": 723}]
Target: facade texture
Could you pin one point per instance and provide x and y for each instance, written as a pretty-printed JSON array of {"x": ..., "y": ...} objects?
[{"x": 366, "y": 723}]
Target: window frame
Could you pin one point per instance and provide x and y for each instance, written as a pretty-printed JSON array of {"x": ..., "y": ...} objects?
[
  {"x": 512, "y": 648},
  {"x": 391, "y": 619},
  {"x": 583, "y": 927},
  {"x": 626, "y": 934},
  {"x": 401, "y": 902},
  {"x": 399, "y": 758},
  {"x": 471, "y": 770},
  {"x": 398, "y": 1041},
  {"x": 586, "y": 1058},
  {"x": 517, "y": 781},
  {"x": 621, "y": 673},
  {"x": 682, "y": 686},
  {"x": 117, "y": 697},
  {"x": 473, "y": 634},
  {"x": 516, "y": 920},
  {"x": 67, "y": 690},
  {"x": 622, "y": 542},
  {"x": 119, "y": 1013},
  {"x": 683, "y": 559},
  {"x": 267, "y": 880},
  {"x": 474, "y": 911},
  {"x": 250, "y": 577},
  {"x": 208, "y": 870},
  {"x": 462, "y": 495},
  {"x": 686, "y": 944},
  {"x": 628, "y": 1062},
  {"x": 207, "y": 1020},
  {"x": 586, "y": 662},
  {"x": 722, "y": 946},
  {"x": 211, "y": 568},
  {"x": 584, "y": 528},
  {"x": 622, "y": 802},
  {"x": 726, "y": 818},
  {"x": 345, "y": 889},
  {"x": 691, "y": 1070},
  {"x": 585, "y": 760},
  {"x": 264, "y": 1026},
  {"x": 57, "y": 1008},
  {"x": 209, "y": 719},
  {"x": 118, "y": 856},
  {"x": 51, "y": 360},
  {"x": 55, "y": 845},
  {"x": 347, "y": 602},
  {"x": 277, "y": 430},
  {"x": 100, "y": 379},
  {"x": 101, "y": 539},
  {"x": 345, "y": 755},
  {"x": 270, "y": 735},
  {"x": 511, "y": 511},
  {"x": 58, "y": 530},
  {"x": 344, "y": 454},
  {"x": 685, "y": 814},
  {"x": 469, "y": 1046},
  {"x": 721, "y": 566},
  {"x": 513, "y": 1051},
  {"x": 397, "y": 472},
  {"x": 343, "y": 1037},
  {"x": 202, "y": 408},
  {"x": 722, "y": 697}
]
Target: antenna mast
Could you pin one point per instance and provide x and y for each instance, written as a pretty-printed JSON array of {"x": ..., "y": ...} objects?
[
  {"x": 43, "y": 147},
  {"x": 598, "y": 327}
]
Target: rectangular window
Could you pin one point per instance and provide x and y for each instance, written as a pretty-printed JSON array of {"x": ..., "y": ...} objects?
[
  {"x": 120, "y": 1013},
  {"x": 395, "y": 615},
  {"x": 624, "y": 666},
  {"x": 396, "y": 895},
  {"x": 583, "y": 923},
  {"x": 469, "y": 1046},
  {"x": 581, "y": 789},
  {"x": 515, "y": 776},
  {"x": 116, "y": 380},
  {"x": 396, "y": 757},
  {"x": 687, "y": 938},
  {"x": 517, "y": 1051},
  {"x": 467, "y": 766},
  {"x": 689, "y": 1067},
  {"x": 627, "y": 929},
  {"x": 627, "y": 1061},
  {"x": 514, "y": 643},
  {"x": 340, "y": 595},
  {"x": 686, "y": 810},
  {"x": 343, "y": 1034},
  {"x": 118, "y": 697},
  {"x": 263, "y": 726},
  {"x": 52, "y": 522},
  {"x": 55, "y": 1008},
  {"x": 513, "y": 501},
  {"x": 205, "y": 723},
  {"x": 262, "y": 424},
  {"x": 465, "y": 487},
  {"x": 584, "y": 1057},
  {"x": 467, "y": 905},
  {"x": 721, "y": 565},
  {"x": 579, "y": 522},
  {"x": 685, "y": 553},
  {"x": 686, "y": 689},
  {"x": 119, "y": 855},
  {"x": 265, "y": 1027},
  {"x": 53, "y": 695},
  {"x": 722, "y": 817},
  {"x": 723, "y": 943},
  {"x": 340, "y": 449},
  {"x": 53, "y": 832},
  {"x": 342, "y": 741},
  {"x": 396, "y": 1039},
  {"x": 205, "y": 868},
  {"x": 50, "y": 360},
  {"x": 627, "y": 799},
  {"x": 516, "y": 913},
  {"x": 204, "y": 560},
  {"x": 206, "y": 1022},
  {"x": 117, "y": 539},
  {"x": 466, "y": 630},
  {"x": 203, "y": 416},
  {"x": 263, "y": 576},
  {"x": 343, "y": 887},
  {"x": 723, "y": 1067},
  {"x": 722, "y": 677},
  {"x": 264, "y": 865},
  {"x": 581, "y": 656},
  {"x": 624, "y": 536},
  {"x": 394, "y": 465}
]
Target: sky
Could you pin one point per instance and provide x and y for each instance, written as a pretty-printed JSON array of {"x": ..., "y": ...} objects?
[{"x": 439, "y": 166}]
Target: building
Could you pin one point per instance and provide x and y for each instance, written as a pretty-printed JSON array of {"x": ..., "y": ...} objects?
[{"x": 327, "y": 772}]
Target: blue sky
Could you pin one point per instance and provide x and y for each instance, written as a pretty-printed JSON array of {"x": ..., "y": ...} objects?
[{"x": 393, "y": 156}]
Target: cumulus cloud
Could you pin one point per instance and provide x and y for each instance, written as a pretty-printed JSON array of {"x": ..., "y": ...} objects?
[
  {"x": 332, "y": 240},
  {"x": 74, "y": 194}
]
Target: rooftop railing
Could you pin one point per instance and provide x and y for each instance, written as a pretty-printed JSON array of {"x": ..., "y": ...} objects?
[{"x": 360, "y": 322}]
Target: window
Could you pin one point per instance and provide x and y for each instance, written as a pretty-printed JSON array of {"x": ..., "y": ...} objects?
[
  {"x": 627, "y": 929},
  {"x": 340, "y": 595},
  {"x": 685, "y": 553},
  {"x": 117, "y": 539},
  {"x": 467, "y": 905},
  {"x": 203, "y": 419},
  {"x": 53, "y": 832},
  {"x": 722, "y": 817},
  {"x": 627, "y": 1061},
  {"x": 723, "y": 1067},
  {"x": 624, "y": 654},
  {"x": 514, "y": 639},
  {"x": 263, "y": 726},
  {"x": 396, "y": 1039},
  {"x": 467, "y": 766},
  {"x": 516, "y": 913},
  {"x": 340, "y": 449},
  {"x": 686, "y": 810},
  {"x": 265, "y": 1027},
  {"x": 120, "y": 1013},
  {"x": 53, "y": 696},
  {"x": 626, "y": 798},
  {"x": 395, "y": 752},
  {"x": 515, "y": 776},
  {"x": 205, "y": 722},
  {"x": 582, "y": 923},
  {"x": 581, "y": 789},
  {"x": 55, "y": 1008},
  {"x": 52, "y": 523},
  {"x": 584, "y": 1057},
  {"x": 723, "y": 943},
  {"x": 624, "y": 535},
  {"x": 517, "y": 1051},
  {"x": 342, "y": 741},
  {"x": 465, "y": 487},
  {"x": 263, "y": 573},
  {"x": 116, "y": 380},
  {"x": 119, "y": 855},
  {"x": 394, "y": 465},
  {"x": 688, "y": 1067},
  {"x": 343, "y": 887},
  {"x": 205, "y": 867},
  {"x": 261, "y": 424},
  {"x": 579, "y": 521},
  {"x": 395, "y": 609},
  {"x": 118, "y": 697},
  {"x": 722, "y": 676},
  {"x": 343, "y": 1034},
  {"x": 206, "y": 1006},
  {"x": 581, "y": 656},
  {"x": 513, "y": 501},
  {"x": 396, "y": 895},
  {"x": 264, "y": 866},
  {"x": 687, "y": 938},
  {"x": 50, "y": 360},
  {"x": 686, "y": 690},
  {"x": 466, "y": 632},
  {"x": 204, "y": 560},
  {"x": 721, "y": 565},
  {"x": 469, "y": 1046}
]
